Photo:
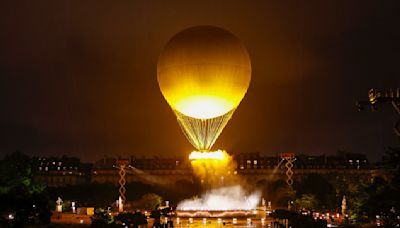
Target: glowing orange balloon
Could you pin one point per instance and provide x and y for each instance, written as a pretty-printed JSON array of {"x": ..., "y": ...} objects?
[{"x": 204, "y": 73}]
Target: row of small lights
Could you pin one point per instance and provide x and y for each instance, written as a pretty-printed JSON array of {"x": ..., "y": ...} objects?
[
  {"x": 325, "y": 216},
  {"x": 219, "y": 221},
  {"x": 58, "y": 168}
]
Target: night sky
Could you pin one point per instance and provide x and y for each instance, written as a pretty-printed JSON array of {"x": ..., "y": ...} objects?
[{"x": 79, "y": 77}]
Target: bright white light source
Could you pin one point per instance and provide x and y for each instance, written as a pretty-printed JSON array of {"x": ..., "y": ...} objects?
[
  {"x": 248, "y": 221},
  {"x": 222, "y": 199}
]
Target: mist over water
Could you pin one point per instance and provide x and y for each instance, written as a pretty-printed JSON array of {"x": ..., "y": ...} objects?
[{"x": 224, "y": 198}]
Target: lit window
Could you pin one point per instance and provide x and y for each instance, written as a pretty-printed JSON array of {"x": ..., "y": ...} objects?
[
  {"x": 54, "y": 162},
  {"x": 46, "y": 168},
  {"x": 58, "y": 168},
  {"x": 40, "y": 168},
  {"x": 59, "y": 163},
  {"x": 248, "y": 162},
  {"x": 241, "y": 167},
  {"x": 255, "y": 162}
]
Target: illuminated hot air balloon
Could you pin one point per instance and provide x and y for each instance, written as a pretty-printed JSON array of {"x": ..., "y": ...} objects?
[{"x": 203, "y": 73}]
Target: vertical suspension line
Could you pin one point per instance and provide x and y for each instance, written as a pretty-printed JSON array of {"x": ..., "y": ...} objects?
[{"x": 202, "y": 133}]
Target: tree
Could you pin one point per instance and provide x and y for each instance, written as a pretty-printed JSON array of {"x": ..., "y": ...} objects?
[
  {"x": 320, "y": 187},
  {"x": 382, "y": 196},
  {"x": 18, "y": 194},
  {"x": 16, "y": 175},
  {"x": 129, "y": 219},
  {"x": 306, "y": 202},
  {"x": 102, "y": 218},
  {"x": 150, "y": 201},
  {"x": 296, "y": 220}
]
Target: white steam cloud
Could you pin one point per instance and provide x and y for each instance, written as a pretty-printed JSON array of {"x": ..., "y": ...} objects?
[{"x": 222, "y": 199}]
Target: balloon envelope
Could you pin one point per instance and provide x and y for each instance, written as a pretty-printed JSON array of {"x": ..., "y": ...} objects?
[{"x": 203, "y": 73}]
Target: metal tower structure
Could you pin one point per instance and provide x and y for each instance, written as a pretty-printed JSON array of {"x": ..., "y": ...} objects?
[
  {"x": 387, "y": 96},
  {"x": 289, "y": 158},
  {"x": 122, "y": 164}
]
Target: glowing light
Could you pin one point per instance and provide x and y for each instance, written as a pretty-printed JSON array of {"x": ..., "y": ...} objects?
[
  {"x": 222, "y": 199},
  {"x": 204, "y": 107},
  {"x": 204, "y": 221},
  {"x": 205, "y": 65},
  {"x": 210, "y": 166},
  {"x": 202, "y": 133},
  {"x": 203, "y": 73},
  {"x": 215, "y": 155},
  {"x": 234, "y": 220},
  {"x": 248, "y": 221},
  {"x": 190, "y": 220},
  {"x": 213, "y": 214}
]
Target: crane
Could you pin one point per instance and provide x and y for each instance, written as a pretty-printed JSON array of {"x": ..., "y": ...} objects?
[{"x": 383, "y": 96}]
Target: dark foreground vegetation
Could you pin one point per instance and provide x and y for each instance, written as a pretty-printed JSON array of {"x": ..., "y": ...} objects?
[{"x": 23, "y": 202}]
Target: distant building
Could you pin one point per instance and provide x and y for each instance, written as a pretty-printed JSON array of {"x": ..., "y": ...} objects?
[
  {"x": 146, "y": 170},
  {"x": 256, "y": 168},
  {"x": 60, "y": 172},
  {"x": 253, "y": 167}
]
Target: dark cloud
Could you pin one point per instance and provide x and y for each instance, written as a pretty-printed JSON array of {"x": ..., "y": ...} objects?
[{"x": 79, "y": 78}]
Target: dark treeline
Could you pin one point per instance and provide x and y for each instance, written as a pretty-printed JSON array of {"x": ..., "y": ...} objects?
[
  {"x": 31, "y": 203},
  {"x": 21, "y": 200},
  {"x": 101, "y": 195}
]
